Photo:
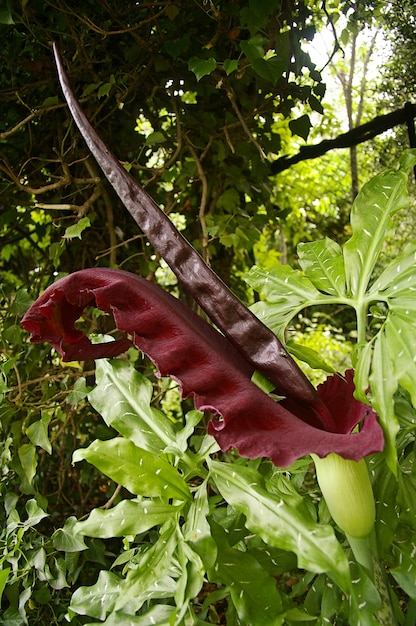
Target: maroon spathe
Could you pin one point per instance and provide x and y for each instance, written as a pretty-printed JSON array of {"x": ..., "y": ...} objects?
[{"x": 205, "y": 364}]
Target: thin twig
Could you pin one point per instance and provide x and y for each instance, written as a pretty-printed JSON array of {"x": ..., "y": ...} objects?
[
  {"x": 231, "y": 97},
  {"x": 203, "y": 203}
]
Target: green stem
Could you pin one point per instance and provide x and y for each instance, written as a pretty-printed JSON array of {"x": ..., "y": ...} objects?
[
  {"x": 366, "y": 554},
  {"x": 361, "y": 312}
]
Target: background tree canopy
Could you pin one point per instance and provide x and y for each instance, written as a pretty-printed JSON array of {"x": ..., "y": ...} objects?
[{"x": 190, "y": 95}]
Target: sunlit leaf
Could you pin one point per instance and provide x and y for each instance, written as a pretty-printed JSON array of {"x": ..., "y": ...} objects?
[
  {"x": 122, "y": 396},
  {"x": 129, "y": 517},
  {"x": 99, "y": 599},
  {"x": 155, "y": 562},
  {"x": 285, "y": 291},
  {"x": 323, "y": 264},
  {"x": 77, "y": 229},
  {"x": 140, "y": 471},
  {"x": 371, "y": 214}
]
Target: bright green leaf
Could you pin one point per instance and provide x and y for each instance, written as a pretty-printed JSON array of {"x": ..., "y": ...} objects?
[
  {"x": 155, "y": 562},
  {"x": 4, "y": 573},
  {"x": 76, "y": 229},
  {"x": 323, "y": 264},
  {"x": 379, "y": 199},
  {"x": 141, "y": 472},
  {"x": 129, "y": 517},
  {"x": 285, "y": 291},
  {"x": 309, "y": 356},
  {"x": 197, "y": 530},
  {"x": 99, "y": 599},
  {"x": 122, "y": 396}
]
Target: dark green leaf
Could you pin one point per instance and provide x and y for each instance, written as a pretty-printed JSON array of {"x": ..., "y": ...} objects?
[
  {"x": 230, "y": 65},
  {"x": 282, "y": 521},
  {"x": 201, "y": 67},
  {"x": 301, "y": 126},
  {"x": 252, "y": 590}
]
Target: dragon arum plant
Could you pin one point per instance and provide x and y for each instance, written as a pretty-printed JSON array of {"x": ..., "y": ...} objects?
[{"x": 345, "y": 423}]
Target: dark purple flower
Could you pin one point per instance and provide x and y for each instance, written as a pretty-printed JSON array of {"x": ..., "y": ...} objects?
[{"x": 206, "y": 365}]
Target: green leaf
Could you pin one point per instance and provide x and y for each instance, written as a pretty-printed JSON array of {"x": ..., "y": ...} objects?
[
  {"x": 140, "y": 471},
  {"x": 99, "y": 599},
  {"x": 404, "y": 570},
  {"x": 383, "y": 386},
  {"x": 253, "y": 48},
  {"x": 197, "y": 531},
  {"x": 65, "y": 539},
  {"x": 21, "y": 302},
  {"x": 252, "y": 590},
  {"x": 105, "y": 88},
  {"x": 129, "y": 517},
  {"x": 76, "y": 229},
  {"x": 28, "y": 459},
  {"x": 230, "y": 65},
  {"x": 201, "y": 67},
  {"x": 271, "y": 69},
  {"x": 34, "y": 514},
  {"x": 371, "y": 214},
  {"x": 79, "y": 391},
  {"x": 191, "y": 578},
  {"x": 155, "y": 138},
  {"x": 286, "y": 292},
  {"x": 301, "y": 126},
  {"x": 282, "y": 521},
  {"x": 122, "y": 396},
  {"x": 38, "y": 433},
  {"x": 6, "y": 16},
  {"x": 309, "y": 356},
  {"x": 323, "y": 264},
  {"x": 160, "y": 614},
  {"x": 4, "y": 573},
  {"x": 155, "y": 562}
]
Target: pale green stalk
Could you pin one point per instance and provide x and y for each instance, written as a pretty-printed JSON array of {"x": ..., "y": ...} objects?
[{"x": 347, "y": 490}]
